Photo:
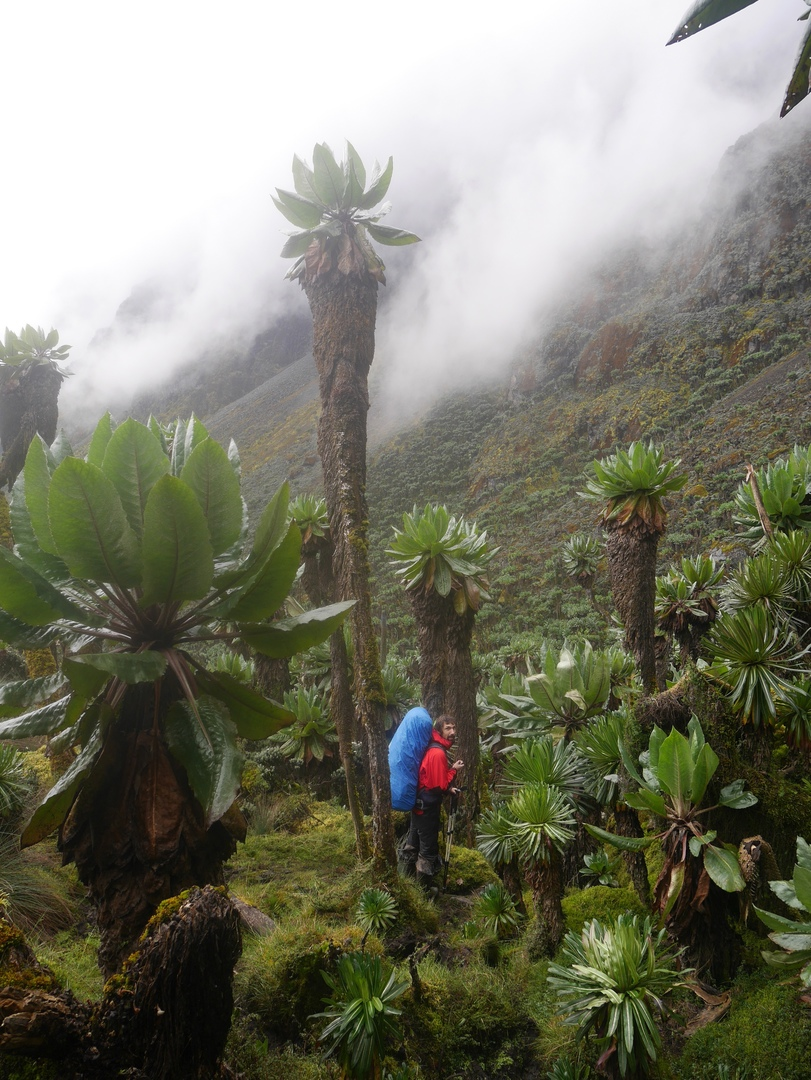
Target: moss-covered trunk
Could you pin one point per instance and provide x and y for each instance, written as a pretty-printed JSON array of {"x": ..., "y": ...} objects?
[
  {"x": 28, "y": 406},
  {"x": 631, "y": 552},
  {"x": 137, "y": 834},
  {"x": 166, "y": 1016},
  {"x": 545, "y": 879},
  {"x": 344, "y": 309}
]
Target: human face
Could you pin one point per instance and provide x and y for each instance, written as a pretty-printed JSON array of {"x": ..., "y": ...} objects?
[{"x": 449, "y": 731}]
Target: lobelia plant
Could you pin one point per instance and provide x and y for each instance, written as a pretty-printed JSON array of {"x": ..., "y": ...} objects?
[
  {"x": 361, "y": 1014},
  {"x": 612, "y": 980},
  {"x": 377, "y": 911},
  {"x": 127, "y": 560},
  {"x": 677, "y": 773}
]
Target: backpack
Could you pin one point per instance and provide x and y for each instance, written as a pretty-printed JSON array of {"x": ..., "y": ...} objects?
[{"x": 406, "y": 751}]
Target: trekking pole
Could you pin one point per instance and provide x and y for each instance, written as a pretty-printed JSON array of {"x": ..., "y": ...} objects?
[{"x": 449, "y": 841}]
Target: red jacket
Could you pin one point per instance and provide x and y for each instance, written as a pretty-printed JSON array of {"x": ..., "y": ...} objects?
[{"x": 435, "y": 777}]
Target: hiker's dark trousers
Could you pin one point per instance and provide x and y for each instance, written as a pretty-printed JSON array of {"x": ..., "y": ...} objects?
[{"x": 423, "y": 839}]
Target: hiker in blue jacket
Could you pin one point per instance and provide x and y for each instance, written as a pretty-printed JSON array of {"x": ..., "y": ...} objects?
[{"x": 436, "y": 777}]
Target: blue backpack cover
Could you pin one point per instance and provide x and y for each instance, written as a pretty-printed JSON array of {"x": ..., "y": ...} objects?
[{"x": 406, "y": 751}]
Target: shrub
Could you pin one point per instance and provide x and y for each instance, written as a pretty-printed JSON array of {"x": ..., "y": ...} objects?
[
  {"x": 279, "y": 978},
  {"x": 471, "y": 1019}
]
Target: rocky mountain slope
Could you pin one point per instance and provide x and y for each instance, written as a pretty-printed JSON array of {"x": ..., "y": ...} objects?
[{"x": 703, "y": 346}]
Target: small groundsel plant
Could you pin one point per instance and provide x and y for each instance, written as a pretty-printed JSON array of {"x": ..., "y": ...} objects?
[
  {"x": 495, "y": 910},
  {"x": 612, "y": 980},
  {"x": 600, "y": 869},
  {"x": 377, "y": 910},
  {"x": 794, "y": 936},
  {"x": 566, "y": 1069},
  {"x": 361, "y": 1013}
]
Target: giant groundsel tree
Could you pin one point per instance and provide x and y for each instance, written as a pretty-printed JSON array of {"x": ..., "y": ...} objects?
[
  {"x": 630, "y": 484},
  {"x": 442, "y": 561},
  {"x": 338, "y": 216},
  {"x": 128, "y": 560}
]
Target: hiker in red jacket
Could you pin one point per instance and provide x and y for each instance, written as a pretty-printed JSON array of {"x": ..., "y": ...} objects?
[{"x": 435, "y": 779}]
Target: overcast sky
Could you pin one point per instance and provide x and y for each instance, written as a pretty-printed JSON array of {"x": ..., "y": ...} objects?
[{"x": 143, "y": 141}]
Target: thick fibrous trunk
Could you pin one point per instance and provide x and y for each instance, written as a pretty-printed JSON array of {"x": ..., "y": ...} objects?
[
  {"x": 28, "y": 406},
  {"x": 627, "y": 823},
  {"x": 138, "y": 835},
  {"x": 166, "y": 1017},
  {"x": 631, "y": 554},
  {"x": 545, "y": 879},
  {"x": 344, "y": 308},
  {"x": 319, "y": 584},
  {"x": 449, "y": 685}
]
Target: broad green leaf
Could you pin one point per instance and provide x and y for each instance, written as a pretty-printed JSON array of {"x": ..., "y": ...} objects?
[
  {"x": 297, "y": 244},
  {"x": 255, "y": 716},
  {"x": 356, "y": 175},
  {"x": 263, "y": 597},
  {"x": 99, "y": 440},
  {"x": 328, "y": 177},
  {"x": 794, "y": 942},
  {"x": 784, "y": 890},
  {"x": 303, "y": 180},
  {"x": 299, "y": 211},
  {"x": 287, "y": 637},
  {"x": 37, "y": 473},
  {"x": 89, "y": 526},
  {"x": 377, "y": 192},
  {"x": 23, "y": 693},
  {"x": 801, "y": 879},
  {"x": 22, "y": 635},
  {"x": 42, "y": 721},
  {"x": 798, "y": 86},
  {"x": 786, "y": 961},
  {"x": 647, "y": 800},
  {"x": 52, "y": 810},
  {"x": 272, "y": 527},
  {"x": 779, "y": 922},
  {"x": 723, "y": 868},
  {"x": 384, "y": 234},
  {"x": 177, "y": 557},
  {"x": 704, "y": 766},
  {"x": 624, "y": 843},
  {"x": 735, "y": 797},
  {"x": 130, "y": 668},
  {"x": 657, "y": 737},
  {"x": 442, "y": 577},
  {"x": 675, "y": 770},
  {"x": 803, "y": 853},
  {"x": 211, "y": 476},
  {"x": 134, "y": 462},
  {"x": 20, "y": 595},
  {"x": 86, "y": 681},
  {"x": 695, "y": 736},
  {"x": 26, "y": 545},
  {"x": 203, "y": 739}
]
